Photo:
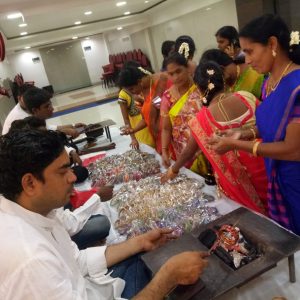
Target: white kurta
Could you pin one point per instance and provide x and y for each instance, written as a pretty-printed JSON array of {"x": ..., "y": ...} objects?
[
  {"x": 39, "y": 261},
  {"x": 17, "y": 113}
]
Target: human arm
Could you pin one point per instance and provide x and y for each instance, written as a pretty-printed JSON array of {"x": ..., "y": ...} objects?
[
  {"x": 144, "y": 242},
  {"x": 166, "y": 136},
  {"x": 154, "y": 120},
  {"x": 105, "y": 192},
  {"x": 124, "y": 110},
  {"x": 141, "y": 125},
  {"x": 184, "y": 269},
  {"x": 288, "y": 149},
  {"x": 188, "y": 152}
]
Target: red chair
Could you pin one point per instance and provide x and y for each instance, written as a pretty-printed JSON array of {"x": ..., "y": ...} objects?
[
  {"x": 144, "y": 61},
  {"x": 123, "y": 57},
  {"x": 129, "y": 56},
  {"x": 108, "y": 75},
  {"x": 139, "y": 55}
]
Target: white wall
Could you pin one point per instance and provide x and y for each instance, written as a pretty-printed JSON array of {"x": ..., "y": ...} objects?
[
  {"x": 21, "y": 62},
  {"x": 96, "y": 57},
  {"x": 199, "y": 19},
  {"x": 118, "y": 41}
]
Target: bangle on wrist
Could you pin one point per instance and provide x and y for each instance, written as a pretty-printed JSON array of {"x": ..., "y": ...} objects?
[{"x": 255, "y": 147}]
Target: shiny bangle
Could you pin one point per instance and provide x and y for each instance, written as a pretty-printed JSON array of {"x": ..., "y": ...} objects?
[
  {"x": 255, "y": 147},
  {"x": 253, "y": 132}
]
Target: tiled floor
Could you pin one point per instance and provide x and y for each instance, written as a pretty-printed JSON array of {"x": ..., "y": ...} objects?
[{"x": 80, "y": 98}]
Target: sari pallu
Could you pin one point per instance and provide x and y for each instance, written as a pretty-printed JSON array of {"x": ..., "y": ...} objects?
[
  {"x": 241, "y": 176},
  {"x": 180, "y": 112},
  {"x": 283, "y": 176}
]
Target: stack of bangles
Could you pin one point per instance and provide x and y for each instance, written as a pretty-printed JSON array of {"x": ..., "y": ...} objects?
[
  {"x": 255, "y": 147},
  {"x": 171, "y": 174}
]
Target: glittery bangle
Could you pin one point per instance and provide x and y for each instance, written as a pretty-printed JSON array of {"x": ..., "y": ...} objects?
[{"x": 254, "y": 149}]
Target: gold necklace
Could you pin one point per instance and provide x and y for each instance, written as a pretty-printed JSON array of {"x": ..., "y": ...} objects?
[{"x": 272, "y": 87}]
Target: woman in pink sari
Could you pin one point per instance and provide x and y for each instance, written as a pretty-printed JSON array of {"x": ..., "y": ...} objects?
[{"x": 240, "y": 175}]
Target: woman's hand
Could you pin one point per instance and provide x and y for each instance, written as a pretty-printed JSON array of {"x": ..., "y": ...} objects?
[
  {"x": 126, "y": 131},
  {"x": 134, "y": 144},
  {"x": 221, "y": 144},
  {"x": 169, "y": 175}
]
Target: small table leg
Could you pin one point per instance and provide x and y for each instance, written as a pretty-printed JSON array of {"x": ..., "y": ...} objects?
[
  {"x": 107, "y": 131},
  {"x": 292, "y": 271}
]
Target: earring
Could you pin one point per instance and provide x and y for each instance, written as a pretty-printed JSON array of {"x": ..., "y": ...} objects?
[{"x": 274, "y": 53}]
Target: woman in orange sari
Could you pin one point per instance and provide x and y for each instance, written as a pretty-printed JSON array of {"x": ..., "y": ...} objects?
[
  {"x": 139, "y": 81},
  {"x": 240, "y": 176}
]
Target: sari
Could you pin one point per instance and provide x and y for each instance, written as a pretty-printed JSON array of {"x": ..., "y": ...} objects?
[
  {"x": 249, "y": 81},
  {"x": 240, "y": 175},
  {"x": 180, "y": 112},
  {"x": 134, "y": 114},
  {"x": 273, "y": 116}
]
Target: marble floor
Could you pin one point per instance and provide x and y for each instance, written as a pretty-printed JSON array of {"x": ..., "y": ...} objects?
[{"x": 88, "y": 105}]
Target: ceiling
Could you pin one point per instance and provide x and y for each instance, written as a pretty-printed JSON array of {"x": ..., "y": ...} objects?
[{"x": 52, "y": 21}]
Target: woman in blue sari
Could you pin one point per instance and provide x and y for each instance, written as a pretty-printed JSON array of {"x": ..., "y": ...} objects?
[{"x": 269, "y": 47}]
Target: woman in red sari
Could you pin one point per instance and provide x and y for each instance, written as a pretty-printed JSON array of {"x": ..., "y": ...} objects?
[
  {"x": 139, "y": 81},
  {"x": 240, "y": 175}
]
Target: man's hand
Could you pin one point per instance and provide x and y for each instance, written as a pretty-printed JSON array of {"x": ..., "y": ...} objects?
[
  {"x": 75, "y": 158},
  {"x": 105, "y": 192},
  {"x": 70, "y": 132},
  {"x": 155, "y": 238},
  {"x": 185, "y": 268}
]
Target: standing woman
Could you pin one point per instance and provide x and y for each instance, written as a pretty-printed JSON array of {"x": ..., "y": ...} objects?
[
  {"x": 271, "y": 48},
  {"x": 228, "y": 41},
  {"x": 180, "y": 104},
  {"x": 139, "y": 81},
  {"x": 185, "y": 46},
  {"x": 238, "y": 75}
]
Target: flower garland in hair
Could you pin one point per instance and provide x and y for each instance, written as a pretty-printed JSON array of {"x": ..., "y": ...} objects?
[
  {"x": 144, "y": 71},
  {"x": 184, "y": 49},
  {"x": 294, "y": 38},
  {"x": 210, "y": 85}
]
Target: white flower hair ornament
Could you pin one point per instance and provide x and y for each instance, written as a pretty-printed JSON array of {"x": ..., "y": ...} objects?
[
  {"x": 210, "y": 72},
  {"x": 210, "y": 86},
  {"x": 294, "y": 38},
  {"x": 204, "y": 100},
  {"x": 146, "y": 72},
  {"x": 184, "y": 49}
]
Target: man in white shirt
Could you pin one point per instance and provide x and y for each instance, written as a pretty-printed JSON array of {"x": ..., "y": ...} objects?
[
  {"x": 38, "y": 260},
  {"x": 19, "y": 111}
]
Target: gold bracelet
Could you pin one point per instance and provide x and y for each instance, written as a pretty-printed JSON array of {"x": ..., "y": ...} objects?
[
  {"x": 255, "y": 146},
  {"x": 253, "y": 132}
]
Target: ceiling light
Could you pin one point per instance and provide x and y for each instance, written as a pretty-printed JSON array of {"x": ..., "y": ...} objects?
[
  {"x": 74, "y": 37},
  {"x": 22, "y": 25},
  {"x": 88, "y": 13},
  {"x": 119, "y": 28},
  {"x": 87, "y": 38},
  {"x": 28, "y": 47},
  {"x": 208, "y": 8},
  {"x": 15, "y": 16},
  {"x": 77, "y": 23},
  {"x": 127, "y": 13},
  {"x": 23, "y": 33},
  {"x": 146, "y": 1},
  {"x": 121, "y": 3}
]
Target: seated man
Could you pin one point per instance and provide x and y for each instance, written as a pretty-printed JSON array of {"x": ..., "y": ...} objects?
[
  {"x": 86, "y": 225},
  {"x": 39, "y": 261},
  {"x": 38, "y": 104},
  {"x": 19, "y": 111}
]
